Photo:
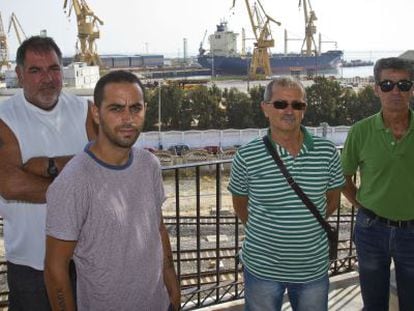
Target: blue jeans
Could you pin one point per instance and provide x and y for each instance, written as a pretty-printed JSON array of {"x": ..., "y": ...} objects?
[
  {"x": 267, "y": 295},
  {"x": 376, "y": 244}
]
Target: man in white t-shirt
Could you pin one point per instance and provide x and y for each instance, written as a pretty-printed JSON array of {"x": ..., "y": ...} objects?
[{"x": 41, "y": 128}]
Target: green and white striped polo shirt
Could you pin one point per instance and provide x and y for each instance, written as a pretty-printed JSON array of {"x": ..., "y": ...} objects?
[{"x": 284, "y": 242}]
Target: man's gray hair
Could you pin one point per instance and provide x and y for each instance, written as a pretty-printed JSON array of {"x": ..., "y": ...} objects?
[
  {"x": 287, "y": 81},
  {"x": 393, "y": 63}
]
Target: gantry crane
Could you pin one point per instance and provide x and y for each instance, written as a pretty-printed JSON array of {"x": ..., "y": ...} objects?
[
  {"x": 18, "y": 29},
  {"x": 260, "y": 22},
  {"x": 88, "y": 31},
  {"x": 310, "y": 29},
  {"x": 4, "y": 49}
]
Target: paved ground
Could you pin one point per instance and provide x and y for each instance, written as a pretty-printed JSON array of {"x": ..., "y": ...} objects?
[{"x": 344, "y": 295}]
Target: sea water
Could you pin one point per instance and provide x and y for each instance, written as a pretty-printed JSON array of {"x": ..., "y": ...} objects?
[{"x": 363, "y": 71}]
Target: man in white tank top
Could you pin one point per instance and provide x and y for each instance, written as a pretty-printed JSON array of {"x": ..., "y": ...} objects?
[
  {"x": 104, "y": 210},
  {"x": 41, "y": 128}
]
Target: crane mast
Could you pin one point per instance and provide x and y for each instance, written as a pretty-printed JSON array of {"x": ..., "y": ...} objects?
[
  {"x": 18, "y": 29},
  {"x": 201, "y": 50},
  {"x": 4, "y": 49},
  {"x": 310, "y": 29},
  {"x": 260, "y": 23},
  {"x": 88, "y": 31}
]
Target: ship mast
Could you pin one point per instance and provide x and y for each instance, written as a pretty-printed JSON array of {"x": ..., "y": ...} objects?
[
  {"x": 310, "y": 29},
  {"x": 260, "y": 22}
]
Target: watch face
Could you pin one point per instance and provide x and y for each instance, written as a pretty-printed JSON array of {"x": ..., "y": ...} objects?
[{"x": 52, "y": 169}]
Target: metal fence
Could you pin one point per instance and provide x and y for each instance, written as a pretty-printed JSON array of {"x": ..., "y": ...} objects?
[{"x": 206, "y": 236}]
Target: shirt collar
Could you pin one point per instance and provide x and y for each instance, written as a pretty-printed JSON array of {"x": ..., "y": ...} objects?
[
  {"x": 307, "y": 141},
  {"x": 379, "y": 122}
]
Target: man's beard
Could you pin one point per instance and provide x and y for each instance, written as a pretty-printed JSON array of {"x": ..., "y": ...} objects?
[{"x": 119, "y": 141}]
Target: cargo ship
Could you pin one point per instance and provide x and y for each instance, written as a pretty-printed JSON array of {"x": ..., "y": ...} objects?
[
  {"x": 357, "y": 63},
  {"x": 223, "y": 58}
]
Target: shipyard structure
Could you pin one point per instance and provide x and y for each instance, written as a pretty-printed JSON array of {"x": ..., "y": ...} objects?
[
  {"x": 223, "y": 56},
  {"x": 224, "y": 59}
]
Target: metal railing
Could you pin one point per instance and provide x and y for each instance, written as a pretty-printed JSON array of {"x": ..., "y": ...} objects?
[{"x": 206, "y": 236}]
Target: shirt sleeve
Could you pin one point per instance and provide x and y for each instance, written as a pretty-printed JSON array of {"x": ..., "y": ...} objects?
[
  {"x": 337, "y": 179},
  {"x": 238, "y": 184},
  {"x": 349, "y": 157},
  {"x": 67, "y": 208}
]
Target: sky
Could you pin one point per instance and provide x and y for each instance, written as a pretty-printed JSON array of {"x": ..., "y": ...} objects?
[{"x": 159, "y": 26}]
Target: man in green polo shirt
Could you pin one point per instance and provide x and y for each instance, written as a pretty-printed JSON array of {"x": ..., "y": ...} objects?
[
  {"x": 382, "y": 148},
  {"x": 285, "y": 247}
]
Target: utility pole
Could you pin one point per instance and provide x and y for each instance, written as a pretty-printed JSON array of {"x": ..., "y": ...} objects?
[{"x": 159, "y": 115}]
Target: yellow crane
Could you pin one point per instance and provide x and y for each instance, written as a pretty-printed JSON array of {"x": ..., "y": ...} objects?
[
  {"x": 88, "y": 31},
  {"x": 4, "y": 49},
  {"x": 310, "y": 29},
  {"x": 260, "y": 22},
  {"x": 18, "y": 29}
]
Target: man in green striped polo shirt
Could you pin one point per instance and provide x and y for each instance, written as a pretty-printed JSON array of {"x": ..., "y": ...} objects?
[
  {"x": 382, "y": 148},
  {"x": 285, "y": 248}
]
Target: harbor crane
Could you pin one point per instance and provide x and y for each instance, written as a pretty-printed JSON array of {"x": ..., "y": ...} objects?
[
  {"x": 310, "y": 29},
  {"x": 4, "y": 49},
  {"x": 201, "y": 50},
  {"x": 18, "y": 29},
  {"x": 88, "y": 31},
  {"x": 260, "y": 23}
]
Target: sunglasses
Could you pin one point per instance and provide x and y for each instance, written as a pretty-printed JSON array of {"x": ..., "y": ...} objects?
[
  {"x": 282, "y": 104},
  {"x": 388, "y": 85}
]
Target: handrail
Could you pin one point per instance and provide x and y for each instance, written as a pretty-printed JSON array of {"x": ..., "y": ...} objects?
[{"x": 206, "y": 236}]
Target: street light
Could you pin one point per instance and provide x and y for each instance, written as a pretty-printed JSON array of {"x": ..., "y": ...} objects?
[
  {"x": 212, "y": 66},
  {"x": 159, "y": 115}
]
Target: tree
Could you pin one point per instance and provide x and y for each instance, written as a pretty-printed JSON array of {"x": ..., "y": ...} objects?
[
  {"x": 324, "y": 105},
  {"x": 206, "y": 107},
  {"x": 368, "y": 103},
  {"x": 256, "y": 98},
  {"x": 151, "y": 116},
  {"x": 239, "y": 109},
  {"x": 172, "y": 98}
]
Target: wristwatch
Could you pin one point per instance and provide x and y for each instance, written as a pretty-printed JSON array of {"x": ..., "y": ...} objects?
[{"x": 52, "y": 169}]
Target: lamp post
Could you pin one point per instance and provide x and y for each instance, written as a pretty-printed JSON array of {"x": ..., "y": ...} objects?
[
  {"x": 159, "y": 115},
  {"x": 212, "y": 66}
]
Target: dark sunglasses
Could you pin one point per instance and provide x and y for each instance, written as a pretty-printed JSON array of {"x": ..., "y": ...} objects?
[
  {"x": 388, "y": 85},
  {"x": 282, "y": 104}
]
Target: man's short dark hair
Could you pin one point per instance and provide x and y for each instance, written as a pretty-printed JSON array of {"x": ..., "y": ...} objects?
[
  {"x": 393, "y": 63},
  {"x": 38, "y": 44},
  {"x": 117, "y": 76}
]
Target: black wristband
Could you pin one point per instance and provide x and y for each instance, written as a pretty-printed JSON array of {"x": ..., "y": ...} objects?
[{"x": 52, "y": 170}]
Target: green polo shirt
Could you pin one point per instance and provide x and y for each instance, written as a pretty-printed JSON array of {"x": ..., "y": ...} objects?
[
  {"x": 386, "y": 167},
  {"x": 284, "y": 241}
]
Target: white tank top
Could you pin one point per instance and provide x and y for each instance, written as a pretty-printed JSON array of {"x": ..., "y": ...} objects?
[{"x": 59, "y": 132}]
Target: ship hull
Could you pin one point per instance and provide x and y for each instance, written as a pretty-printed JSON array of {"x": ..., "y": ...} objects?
[{"x": 279, "y": 63}]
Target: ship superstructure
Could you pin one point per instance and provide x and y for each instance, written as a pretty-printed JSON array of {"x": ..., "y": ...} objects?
[{"x": 223, "y": 56}]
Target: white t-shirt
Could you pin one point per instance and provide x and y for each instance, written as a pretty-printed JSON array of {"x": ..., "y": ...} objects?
[{"x": 59, "y": 132}]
